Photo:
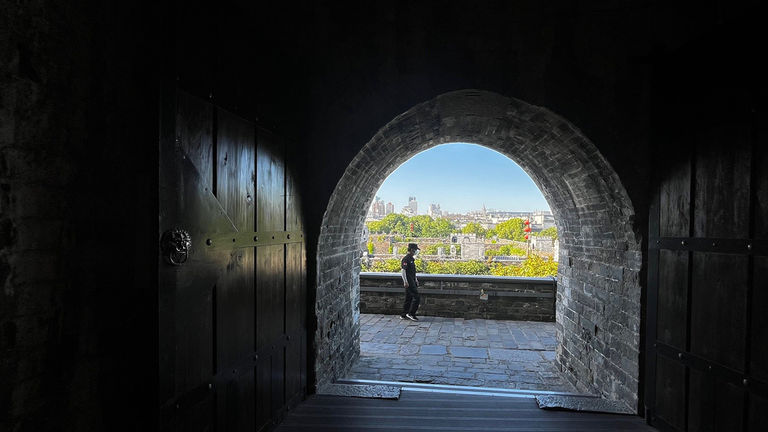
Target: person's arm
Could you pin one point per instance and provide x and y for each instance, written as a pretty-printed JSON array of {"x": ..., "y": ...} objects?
[{"x": 405, "y": 278}]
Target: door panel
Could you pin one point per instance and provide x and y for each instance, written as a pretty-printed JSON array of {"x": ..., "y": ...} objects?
[
  {"x": 673, "y": 297},
  {"x": 706, "y": 332},
  {"x": 223, "y": 334},
  {"x": 236, "y": 169},
  {"x": 271, "y": 183},
  {"x": 234, "y": 310},
  {"x": 675, "y": 202},
  {"x": 670, "y": 384},
  {"x": 721, "y": 214},
  {"x": 718, "y": 325}
]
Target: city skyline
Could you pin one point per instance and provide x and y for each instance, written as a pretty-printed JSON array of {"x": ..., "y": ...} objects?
[{"x": 462, "y": 178}]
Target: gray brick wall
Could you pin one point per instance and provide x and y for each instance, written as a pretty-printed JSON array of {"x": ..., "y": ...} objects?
[{"x": 598, "y": 300}]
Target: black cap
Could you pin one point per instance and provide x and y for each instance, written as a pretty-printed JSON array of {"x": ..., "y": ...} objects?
[{"x": 413, "y": 246}]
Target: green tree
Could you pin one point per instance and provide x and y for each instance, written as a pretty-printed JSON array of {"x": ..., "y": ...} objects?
[
  {"x": 375, "y": 227},
  {"x": 511, "y": 229},
  {"x": 474, "y": 228},
  {"x": 439, "y": 227},
  {"x": 370, "y": 248},
  {"x": 390, "y": 265},
  {"x": 505, "y": 250},
  {"x": 458, "y": 267},
  {"x": 533, "y": 266},
  {"x": 421, "y": 225},
  {"x": 548, "y": 232}
]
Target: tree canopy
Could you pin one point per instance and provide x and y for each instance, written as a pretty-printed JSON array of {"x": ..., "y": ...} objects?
[
  {"x": 511, "y": 229},
  {"x": 533, "y": 266},
  {"x": 548, "y": 232},
  {"x": 474, "y": 228},
  {"x": 423, "y": 226}
]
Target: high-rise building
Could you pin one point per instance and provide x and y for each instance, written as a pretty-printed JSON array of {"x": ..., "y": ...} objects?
[
  {"x": 389, "y": 209},
  {"x": 434, "y": 210},
  {"x": 377, "y": 209},
  {"x": 413, "y": 205}
]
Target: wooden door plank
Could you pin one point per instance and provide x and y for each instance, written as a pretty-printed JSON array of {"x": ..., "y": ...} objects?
[
  {"x": 760, "y": 176},
  {"x": 293, "y": 216},
  {"x": 277, "y": 392},
  {"x": 722, "y": 182},
  {"x": 235, "y": 314},
  {"x": 194, "y": 134},
  {"x": 264, "y": 403},
  {"x": 236, "y": 408},
  {"x": 718, "y": 309},
  {"x": 670, "y": 392},
  {"x": 270, "y": 180},
  {"x": 701, "y": 403},
  {"x": 270, "y": 296},
  {"x": 675, "y": 200},
  {"x": 759, "y": 345},
  {"x": 194, "y": 418},
  {"x": 235, "y": 168},
  {"x": 729, "y": 406},
  {"x": 295, "y": 317},
  {"x": 758, "y": 413},
  {"x": 673, "y": 298}
]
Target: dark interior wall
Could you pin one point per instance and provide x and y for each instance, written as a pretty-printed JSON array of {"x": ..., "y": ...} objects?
[{"x": 79, "y": 214}]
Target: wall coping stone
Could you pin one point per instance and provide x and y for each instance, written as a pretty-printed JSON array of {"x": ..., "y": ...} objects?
[{"x": 551, "y": 280}]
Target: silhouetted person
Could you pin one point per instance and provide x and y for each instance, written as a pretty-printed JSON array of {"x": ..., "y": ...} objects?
[{"x": 410, "y": 282}]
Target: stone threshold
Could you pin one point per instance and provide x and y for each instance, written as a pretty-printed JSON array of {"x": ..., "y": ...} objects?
[{"x": 457, "y": 389}]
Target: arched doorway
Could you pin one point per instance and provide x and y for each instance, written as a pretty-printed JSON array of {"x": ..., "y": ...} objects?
[{"x": 598, "y": 300}]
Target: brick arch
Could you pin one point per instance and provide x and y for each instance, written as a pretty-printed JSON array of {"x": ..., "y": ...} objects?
[{"x": 598, "y": 299}]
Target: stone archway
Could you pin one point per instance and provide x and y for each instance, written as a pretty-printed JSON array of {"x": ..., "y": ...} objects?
[{"x": 598, "y": 296}]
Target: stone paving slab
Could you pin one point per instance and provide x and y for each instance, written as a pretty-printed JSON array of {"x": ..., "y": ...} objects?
[
  {"x": 433, "y": 349},
  {"x": 459, "y": 351},
  {"x": 488, "y": 353}
]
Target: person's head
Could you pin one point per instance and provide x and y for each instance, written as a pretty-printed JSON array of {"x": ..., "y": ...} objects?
[{"x": 413, "y": 248}]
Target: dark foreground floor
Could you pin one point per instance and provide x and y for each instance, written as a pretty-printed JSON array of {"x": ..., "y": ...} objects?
[{"x": 417, "y": 411}]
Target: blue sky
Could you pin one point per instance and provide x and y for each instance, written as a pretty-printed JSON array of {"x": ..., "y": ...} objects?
[{"x": 461, "y": 178}]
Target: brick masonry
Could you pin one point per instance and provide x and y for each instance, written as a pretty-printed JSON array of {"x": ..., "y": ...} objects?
[
  {"x": 456, "y": 296},
  {"x": 598, "y": 299}
]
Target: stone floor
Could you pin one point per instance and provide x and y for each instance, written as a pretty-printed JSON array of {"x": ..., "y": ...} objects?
[{"x": 485, "y": 353}]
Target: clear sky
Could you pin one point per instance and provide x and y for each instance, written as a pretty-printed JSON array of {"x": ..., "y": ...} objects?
[{"x": 461, "y": 178}]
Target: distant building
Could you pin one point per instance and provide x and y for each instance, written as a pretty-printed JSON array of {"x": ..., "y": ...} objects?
[
  {"x": 541, "y": 220},
  {"x": 377, "y": 209},
  {"x": 434, "y": 210},
  {"x": 407, "y": 211},
  {"x": 413, "y": 205},
  {"x": 472, "y": 247},
  {"x": 389, "y": 209}
]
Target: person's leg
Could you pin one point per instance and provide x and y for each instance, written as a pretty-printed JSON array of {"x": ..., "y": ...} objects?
[
  {"x": 415, "y": 301},
  {"x": 407, "y": 303}
]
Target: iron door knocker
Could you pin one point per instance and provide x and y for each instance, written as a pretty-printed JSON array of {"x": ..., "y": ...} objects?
[{"x": 175, "y": 245}]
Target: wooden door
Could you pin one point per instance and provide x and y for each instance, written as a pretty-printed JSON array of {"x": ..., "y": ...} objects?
[
  {"x": 707, "y": 303},
  {"x": 232, "y": 311}
]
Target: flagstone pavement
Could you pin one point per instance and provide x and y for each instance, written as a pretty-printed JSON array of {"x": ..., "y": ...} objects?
[{"x": 479, "y": 352}]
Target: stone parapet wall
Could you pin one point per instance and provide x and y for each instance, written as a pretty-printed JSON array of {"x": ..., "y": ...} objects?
[{"x": 458, "y": 296}]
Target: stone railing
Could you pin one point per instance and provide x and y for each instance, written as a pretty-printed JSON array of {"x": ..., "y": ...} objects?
[{"x": 460, "y": 296}]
